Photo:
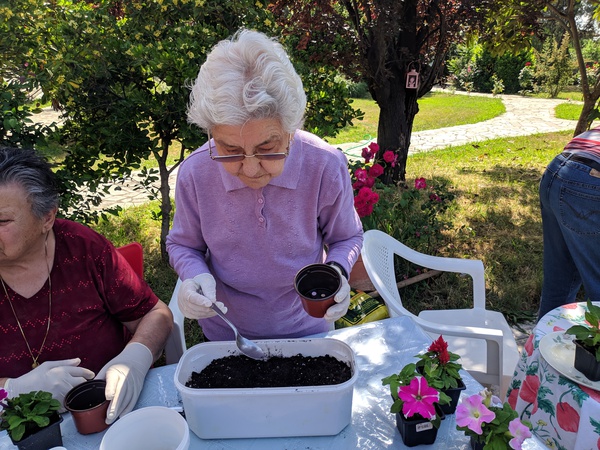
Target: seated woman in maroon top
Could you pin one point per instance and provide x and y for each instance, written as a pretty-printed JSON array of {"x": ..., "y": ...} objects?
[{"x": 71, "y": 307}]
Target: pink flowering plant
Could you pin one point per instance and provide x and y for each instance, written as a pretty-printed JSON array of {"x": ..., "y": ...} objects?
[
  {"x": 413, "y": 396},
  {"x": 490, "y": 422},
  {"x": 410, "y": 212}
]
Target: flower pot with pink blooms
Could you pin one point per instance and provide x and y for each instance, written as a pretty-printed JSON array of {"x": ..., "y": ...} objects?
[
  {"x": 416, "y": 405},
  {"x": 441, "y": 370},
  {"x": 490, "y": 423}
]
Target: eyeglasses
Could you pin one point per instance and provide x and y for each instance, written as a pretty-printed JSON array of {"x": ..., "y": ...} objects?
[{"x": 242, "y": 156}]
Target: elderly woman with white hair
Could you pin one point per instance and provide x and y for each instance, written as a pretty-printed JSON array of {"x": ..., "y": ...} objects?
[{"x": 260, "y": 200}]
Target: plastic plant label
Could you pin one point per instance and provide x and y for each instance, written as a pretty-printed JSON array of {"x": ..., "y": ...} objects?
[{"x": 423, "y": 426}]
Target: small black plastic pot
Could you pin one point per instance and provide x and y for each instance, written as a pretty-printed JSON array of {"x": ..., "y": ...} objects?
[
  {"x": 43, "y": 438},
  {"x": 418, "y": 431},
  {"x": 585, "y": 362}
]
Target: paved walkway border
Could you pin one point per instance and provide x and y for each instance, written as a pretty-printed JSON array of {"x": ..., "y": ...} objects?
[{"x": 524, "y": 116}]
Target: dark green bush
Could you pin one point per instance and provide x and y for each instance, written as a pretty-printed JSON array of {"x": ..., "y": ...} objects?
[{"x": 358, "y": 90}]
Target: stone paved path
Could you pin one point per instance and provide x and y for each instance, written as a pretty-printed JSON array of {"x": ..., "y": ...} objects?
[{"x": 523, "y": 116}]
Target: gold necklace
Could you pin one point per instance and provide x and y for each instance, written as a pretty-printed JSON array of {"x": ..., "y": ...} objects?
[{"x": 35, "y": 358}]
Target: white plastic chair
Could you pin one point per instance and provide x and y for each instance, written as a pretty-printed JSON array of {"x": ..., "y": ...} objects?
[
  {"x": 481, "y": 337},
  {"x": 175, "y": 345}
]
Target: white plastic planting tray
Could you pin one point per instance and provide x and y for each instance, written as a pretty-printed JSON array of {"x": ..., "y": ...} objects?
[{"x": 266, "y": 412}]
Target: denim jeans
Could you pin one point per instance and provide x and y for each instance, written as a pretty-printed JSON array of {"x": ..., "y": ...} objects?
[{"x": 570, "y": 203}]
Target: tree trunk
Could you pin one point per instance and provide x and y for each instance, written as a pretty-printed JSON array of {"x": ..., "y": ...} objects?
[
  {"x": 165, "y": 207},
  {"x": 589, "y": 105},
  {"x": 397, "y": 112},
  {"x": 583, "y": 123}
]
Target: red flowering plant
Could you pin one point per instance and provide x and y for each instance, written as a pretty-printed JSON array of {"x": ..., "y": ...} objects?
[
  {"x": 413, "y": 396},
  {"x": 439, "y": 366},
  {"x": 409, "y": 214}
]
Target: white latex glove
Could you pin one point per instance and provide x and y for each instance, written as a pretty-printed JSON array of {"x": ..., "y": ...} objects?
[
  {"x": 125, "y": 375},
  {"x": 196, "y": 295},
  {"x": 56, "y": 377},
  {"x": 342, "y": 300}
]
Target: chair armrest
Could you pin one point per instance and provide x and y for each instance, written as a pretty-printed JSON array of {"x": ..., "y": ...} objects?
[
  {"x": 473, "y": 267},
  {"x": 175, "y": 345},
  {"x": 493, "y": 337}
]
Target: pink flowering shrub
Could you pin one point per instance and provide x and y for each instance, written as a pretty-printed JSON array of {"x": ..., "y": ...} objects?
[
  {"x": 410, "y": 212},
  {"x": 486, "y": 419}
]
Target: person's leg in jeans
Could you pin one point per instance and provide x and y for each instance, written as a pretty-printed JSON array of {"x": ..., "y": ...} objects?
[
  {"x": 561, "y": 280},
  {"x": 570, "y": 204}
]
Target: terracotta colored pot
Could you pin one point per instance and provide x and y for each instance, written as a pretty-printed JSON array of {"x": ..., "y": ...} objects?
[
  {"x": 359, "y": 279},
  {"x": 88, "y": 405},
  {"x": 317, "y": 284}
]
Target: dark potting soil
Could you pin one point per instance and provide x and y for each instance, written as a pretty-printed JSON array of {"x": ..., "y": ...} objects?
[{"x": 239, "y": 371}]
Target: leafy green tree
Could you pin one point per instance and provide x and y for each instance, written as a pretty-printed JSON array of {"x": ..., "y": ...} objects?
[
  {"x": 554, "y": 66},
  {"x": 516, "y": 24},
  {"x": 19, "y": 69},
  {"x": 380, "y": 41},
  {"x": 120, "y": 71},
  {"x": 590, "y": 50},
  {"x": 17, "y": 129}
]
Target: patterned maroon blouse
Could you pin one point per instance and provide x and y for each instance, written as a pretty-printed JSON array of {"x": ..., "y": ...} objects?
[{"x": 94, "y": 290}]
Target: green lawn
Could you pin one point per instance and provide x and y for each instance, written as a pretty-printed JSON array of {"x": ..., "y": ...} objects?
[{"x": 436, "y": 110}]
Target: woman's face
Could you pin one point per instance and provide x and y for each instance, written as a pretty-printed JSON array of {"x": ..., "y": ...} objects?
[
  {"x": 256, "y": 136},
  {"x": 20, "y": 230}
]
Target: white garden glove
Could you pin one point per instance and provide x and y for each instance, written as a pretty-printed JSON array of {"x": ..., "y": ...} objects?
[
  {"x": 56, "y": 377},
  {"x": 125, "y": 375},
  {"x": 342, "y": 300},
  {"x": 196, "y": 295}
]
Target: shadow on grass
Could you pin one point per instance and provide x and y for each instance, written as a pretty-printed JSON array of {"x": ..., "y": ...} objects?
[{"x": 506, "y": 238}]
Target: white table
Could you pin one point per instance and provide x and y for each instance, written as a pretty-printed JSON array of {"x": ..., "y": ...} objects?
[{"x": 381, "y": 349}]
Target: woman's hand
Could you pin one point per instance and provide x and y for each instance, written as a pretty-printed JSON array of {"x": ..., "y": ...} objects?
[
  {"x": 125, "y": 375},
  {"x": 342, "y": 300},
  {"x": 56, "y": 377},
  {"x": 196, "y": 295}
]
